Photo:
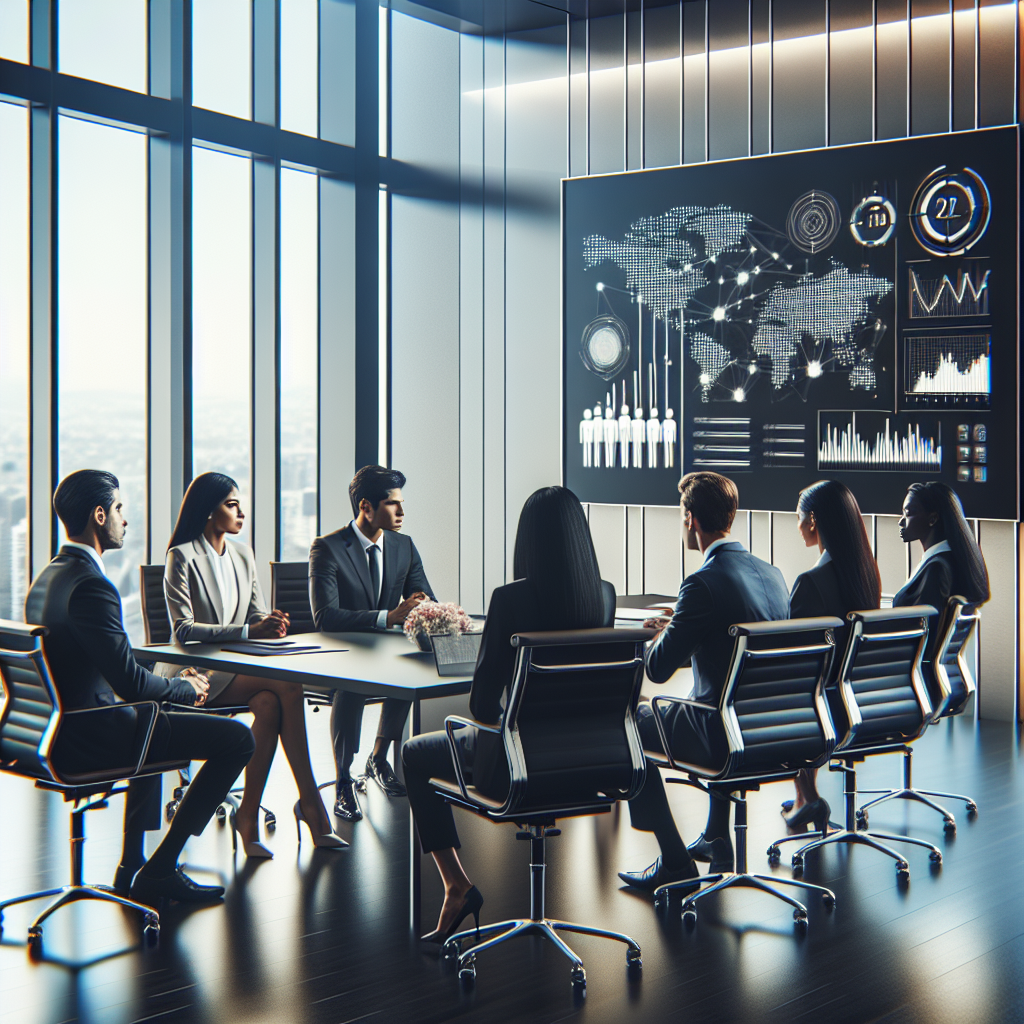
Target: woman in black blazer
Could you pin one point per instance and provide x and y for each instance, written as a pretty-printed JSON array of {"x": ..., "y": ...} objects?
[
  {"x": 844, "y": 579},
  {"x": 558, "y": 586},
  {"x": 952, "y": 562}
]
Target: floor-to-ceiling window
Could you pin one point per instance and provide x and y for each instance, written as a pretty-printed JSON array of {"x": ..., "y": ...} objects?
[
  {"x": 299, "y": 366},
  {"x": 102, "y": 325},
  {"x": 14, "y": 355},
  {"x": 222, "y": 317}
]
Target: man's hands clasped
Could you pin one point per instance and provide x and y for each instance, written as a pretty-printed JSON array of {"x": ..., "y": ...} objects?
[{"x": 398, "y": 615}]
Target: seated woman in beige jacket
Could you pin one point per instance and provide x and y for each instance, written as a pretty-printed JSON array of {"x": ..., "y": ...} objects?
[{"x": 213, "y": 595}]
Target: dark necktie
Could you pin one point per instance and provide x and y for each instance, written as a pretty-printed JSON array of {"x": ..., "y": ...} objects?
[{"x": 373, "y": 554}]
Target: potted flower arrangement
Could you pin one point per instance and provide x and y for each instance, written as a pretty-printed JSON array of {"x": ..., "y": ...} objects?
[{"x": 429, "y": 618}]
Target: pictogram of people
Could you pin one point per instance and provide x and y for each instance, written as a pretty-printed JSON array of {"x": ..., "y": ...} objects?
[
  {"x": 587, "y": 437},
  {"x": 669, "y": 433},
  {"x": 598, "y": 435},
  {"x": 611, "y": 436},
  {"x": 638, "y": 432},
  {"x": 625, "y": 432},
  {"x": 653, "y": 438}
]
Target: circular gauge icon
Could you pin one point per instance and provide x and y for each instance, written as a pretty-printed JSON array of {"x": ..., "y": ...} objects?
[
  {"x": 950, "y": 211},
  {"x": 604, "y": 347},
  {"x": 873, "y": 221},
  {"x": 814, "y": 221}
]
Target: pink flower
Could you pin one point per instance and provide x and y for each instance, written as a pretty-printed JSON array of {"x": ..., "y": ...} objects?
[{"x": 433, "y": 617}]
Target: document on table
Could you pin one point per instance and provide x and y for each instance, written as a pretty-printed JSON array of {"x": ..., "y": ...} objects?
[{"x": 261, "y": 650}]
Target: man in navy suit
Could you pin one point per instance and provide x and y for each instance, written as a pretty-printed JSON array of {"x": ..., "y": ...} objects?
[
  {"x": 92, "y": 663},
  {"x": 366, "y": 576},
  {"x": 731, "y": 586}
]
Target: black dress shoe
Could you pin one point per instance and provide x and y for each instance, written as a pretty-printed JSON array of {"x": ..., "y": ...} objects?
[
  {"x": 178, "y": 886},
  {"x": 346, "y": 806},
  {"x": 123, "y": 879},
  {"x": 381, "y": 773},
  {"x": 722, "y": 859},
  {"x": 657, "y": 874}
]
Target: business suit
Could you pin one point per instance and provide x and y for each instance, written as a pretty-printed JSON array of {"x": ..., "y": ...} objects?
[
  {"x": 512, "y": 609},
  {"x": 195, "y": 604},
  {"x": 341, "y": 597},
  {"x": 731, "y": 586},
  {"x": 92, "y": 663},
  {"x": 931, "y": 584},
  {"x": 816, "y": 592}
]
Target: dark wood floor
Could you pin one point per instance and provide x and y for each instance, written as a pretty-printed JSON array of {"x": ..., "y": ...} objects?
[{"x": 324, "y": 937}]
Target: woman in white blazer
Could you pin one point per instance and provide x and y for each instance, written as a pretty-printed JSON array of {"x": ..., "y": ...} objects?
[{"x": 213, "y": 595}]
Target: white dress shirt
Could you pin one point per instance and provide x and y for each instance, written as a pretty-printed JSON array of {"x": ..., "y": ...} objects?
[
  {"x": 365, "y": 543},
  {"x": 227, "y": 581},
  {"x": 823, "y": 559},
  {"x": 715, "y": 543}
]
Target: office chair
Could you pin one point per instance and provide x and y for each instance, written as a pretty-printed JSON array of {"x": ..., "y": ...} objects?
[
  {"x": 775, "y": 720},
  {"x": 572, "y": 747},
  {"x": 882, "y": 708},
  {"x": 30, "y": 719},
  {"x": 158, "y": 631},
  {"x": 950, "y": 685}
]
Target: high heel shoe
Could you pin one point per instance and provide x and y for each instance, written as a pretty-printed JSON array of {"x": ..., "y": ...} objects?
[
  {"x": 471, "y": 905},
  {"x": 327, "y": 841},
  {"x": 817, "y": 811},
  {"x": 254, "y": 849}
]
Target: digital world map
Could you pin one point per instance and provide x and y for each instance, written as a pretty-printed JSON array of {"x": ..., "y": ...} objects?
[{"x": 742, "y": 299}]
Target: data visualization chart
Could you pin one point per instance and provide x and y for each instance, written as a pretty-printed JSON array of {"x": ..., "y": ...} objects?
[
  {"x": 962, "y": 293},
  {"x": 874, "y": 442},
  {"x": 952, "y": 371}
]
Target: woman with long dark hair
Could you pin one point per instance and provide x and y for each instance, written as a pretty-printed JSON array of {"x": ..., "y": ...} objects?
[
  {"x": 844, "y": 579},
  {"x": 557, "y": 586},
  {"x": 952, "y": 561},
  {"x": 213, "y": 594}
]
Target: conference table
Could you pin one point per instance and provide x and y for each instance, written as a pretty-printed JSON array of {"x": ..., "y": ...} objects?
[{"x": 377, "y": 664}]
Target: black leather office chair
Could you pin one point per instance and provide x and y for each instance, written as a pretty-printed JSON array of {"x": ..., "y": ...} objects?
[
  {"x": 882, "y": 707},
  {"x": 158, "y": 631},
  {"x": 775, "y": 720},
  {"x": 950, "y": 685},
  {"x": 30, "y": 718},
  {"x": 573, "y": 749}
]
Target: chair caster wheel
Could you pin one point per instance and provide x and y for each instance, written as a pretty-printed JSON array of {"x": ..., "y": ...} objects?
[
  {"x": 221, "y": 814},
  {"x": 829, "y": 900},
  {"x": 151, "y": 935},
  {"x": 862, "y": 821},
  {"x": 270, "y": 821},
  {"x": 972, "y": 808},
  {"x": 935, "y": 857},
  {"x": 800, "y": 921},
  {"x": 798, "y": 863},
  {"x": 949, "y": 827},
  {"x": 659, "y": 902},
  {"x": 633, "y": 960},
  {"x": 467, "y": 972},
  {"x": 689, "y": 916},
  {"x": 903, "y": 873},
  {"x": 451, "y": 950},
  {"x": 774, "y": 854},
  {"x": 172, "y": 806},
  {"x": 579, "y": 977},
  {"x": 360, "y": 784}
]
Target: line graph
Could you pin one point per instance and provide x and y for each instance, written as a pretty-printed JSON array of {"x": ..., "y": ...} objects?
[
  {"x": 873, "y": 442},
  {"x": 934, "y": 297}
]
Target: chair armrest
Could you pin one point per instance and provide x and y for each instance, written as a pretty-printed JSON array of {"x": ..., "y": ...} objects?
[
  {"x": 603, "y": 635},
  {"x": 685, "y": 702},
  {"x": 451, "y": 723},
  {"x": 147, "y": 710},
  {"x": 785, "y": 626}
]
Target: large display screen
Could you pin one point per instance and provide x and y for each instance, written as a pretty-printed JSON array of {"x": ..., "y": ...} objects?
[{"x": 848, "y": 313}]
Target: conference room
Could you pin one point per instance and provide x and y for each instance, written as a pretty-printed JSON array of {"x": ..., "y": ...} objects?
[{"x": 546, "y": 477}]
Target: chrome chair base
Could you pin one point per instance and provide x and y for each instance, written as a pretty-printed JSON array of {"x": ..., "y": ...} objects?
[
  {"x": 730, "y": 879},
  {"x": 921, "y": 796},
  {"x": 71, "y": 893},
  {"x": 504, "y": 930}
]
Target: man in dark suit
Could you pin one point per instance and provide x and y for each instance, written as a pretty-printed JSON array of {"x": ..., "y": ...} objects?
[
  {"x": 731, "y": 586},
  {"x": 366, "y": 576},
  {"x": 92, "y": 663}
]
